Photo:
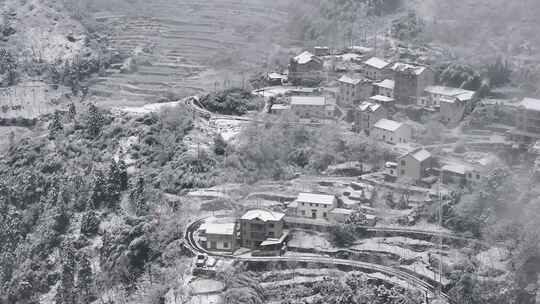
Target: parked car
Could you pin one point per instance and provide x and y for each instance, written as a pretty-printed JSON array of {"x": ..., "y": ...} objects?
[{"x": 201, "y": 260}]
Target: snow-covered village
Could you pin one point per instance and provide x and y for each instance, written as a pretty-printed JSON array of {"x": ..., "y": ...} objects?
[{"x": 269, "y": 152}]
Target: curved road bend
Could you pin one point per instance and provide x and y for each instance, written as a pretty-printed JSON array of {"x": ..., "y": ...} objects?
[{"x": 194, "y": 247}]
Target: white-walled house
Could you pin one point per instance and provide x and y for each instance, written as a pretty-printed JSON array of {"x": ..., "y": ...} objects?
[
  {"x": 315, "y": 206},
  {"x": 391, "y": 131},
  {"x": 220, "y": 237}
]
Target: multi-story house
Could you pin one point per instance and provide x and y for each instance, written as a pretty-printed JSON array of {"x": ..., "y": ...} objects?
[
  {"x": 261, "y": 228},
  {"x": 433, "y": 95},
  {"x": 305, "y": 65},
  {"x": 367, "y": 114},
  {"x": 376, "y": 68},
  {"x": 391, "y": 131},
  {"x": 384, "y": 88},
  {"x": 352, "y": 90},
  {"x": 414, "y": 165},
  {"x": 314, "y": 206},
  {"x": 219, "y": 237},
  {"x": 410, "y": 82},
  {"x": 527, "y": 121}
]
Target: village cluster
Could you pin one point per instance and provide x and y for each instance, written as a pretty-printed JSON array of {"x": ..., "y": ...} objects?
[{"x": 368, "y": 93}]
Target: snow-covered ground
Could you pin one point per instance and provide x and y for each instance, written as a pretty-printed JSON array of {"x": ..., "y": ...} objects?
[{"x": 309, "y": 239}]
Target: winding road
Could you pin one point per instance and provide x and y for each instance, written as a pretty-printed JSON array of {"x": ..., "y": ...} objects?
[{"x": 192, "y": 245}]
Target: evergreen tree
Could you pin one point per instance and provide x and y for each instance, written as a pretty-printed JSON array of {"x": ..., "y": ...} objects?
[
  {"x": 220, "y": 145},
  {"x": 89, "y": 223},
  {"x": 137, "y": 198},
  {"x": 95, "y": 121},
  {"x": 122, "y": 168},
  {"x": 99, "y": 191},
  {"x": 66, "y": 291},
  {"x": 113, "y": 185},
  {"x": 72, "y": 111},
  {"x": 85, "y": 280},
  {"x": 55, "y": 126}
]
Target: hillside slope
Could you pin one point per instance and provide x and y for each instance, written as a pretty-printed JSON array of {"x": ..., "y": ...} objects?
[{"x": 186, "y": 47}]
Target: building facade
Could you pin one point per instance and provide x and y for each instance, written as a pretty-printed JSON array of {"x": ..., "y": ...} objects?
[
  {"x": 376, "y": 68},
  {"x": 304, "y": 66},
  {"x": 367, "y": 114},
  {"x": 220, "y": 237},
  {"x": 433, "y": 95},
  {"x": 527, "y": 121},
  {"x": 315, "y": 206},
  {"x": 384, "y": 88},
  {"x": 352, "y": 90},
  {"x": 414, "y": 165},
  {"x": 260, "y": 226},
  {"x": 390, "y": 131},
  {"x": 311, "y": 107},
  {"x": 410, "y": 82}
]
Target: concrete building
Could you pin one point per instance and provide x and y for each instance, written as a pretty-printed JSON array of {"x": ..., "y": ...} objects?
[
  {"x": 384, "y": 88},
  {"x": 376, "y": 68},
  {"x": 410, "y": 82},
  {"x": 454, "y": 174},
  {"x": 367, "y": 114},
  {"x": 219, "y": 237},
  {"x": 314, "y": 206},
  {"x": 391, "y": 131},
  {"x": 527, "y": 121},
  {"x": 453, "y": 109},
  {"x": 276, "y": 79},
  {"x": 433, "y": 95},
  {"x": 312, "y": 107},
  {"x": 261, "y": 228},
  {"x": 305, "y": 65},
  {"x": 414, "y": 165},
  {"x": 352, "y": 90}
]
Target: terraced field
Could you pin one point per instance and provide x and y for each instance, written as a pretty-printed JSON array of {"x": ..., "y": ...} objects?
[{"x": 187, "y": 46}]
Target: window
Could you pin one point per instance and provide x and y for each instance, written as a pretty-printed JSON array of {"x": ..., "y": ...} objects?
[
  {"x": 271, "y": 225},
  {"x": 225, "y": 245},
  {"x": 270, "y": 233},
  {"x": 477, "y": 176},
  {"x": 470, "y": 175},
  {"x": 324, "y": 214},
  {"x": 403, "y": 162},
  {"x": 402, "y": 172},
  {"x": 303, "y": 204},
  {"x": 303, "y": 212}
]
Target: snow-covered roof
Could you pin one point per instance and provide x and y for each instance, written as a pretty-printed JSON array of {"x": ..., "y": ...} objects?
[
  {"x": 220, "y": 229},
  {"x": 461, "y": 94},
  {"x": 360, "y": 49},
  {"x": 455, "y": 168},
  {"x": 421, "y": 155},
  {"x": 405, "y": 67},
  {"x": 263, "y": 215},
  {"x": 381, "y": 98},
  {"x": 278, "y": 106},
  {"x": 275, "y": 75},
  {"x": 349, "y": 80},
  {"x": 316, "y": 198},
  {"x": 387, "y": 124},
  {"x": 369, "y": 106},
  {"x": 387, "y": 84},
  {"x": 531, "y": 104},
  {"x": 377, "y": 63},
  {"x": 304, "y": 57},
  {"x": 308, "y": 100}
]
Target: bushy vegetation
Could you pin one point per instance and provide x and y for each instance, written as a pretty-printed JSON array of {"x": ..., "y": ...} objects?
[
  {"x": 336, "y": 21},
  {"x": 352, "y": 288},
  {"x": 233, "y": 101}
]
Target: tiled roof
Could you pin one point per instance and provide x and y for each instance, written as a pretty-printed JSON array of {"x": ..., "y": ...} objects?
[{"x": 263, "y": 215}]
